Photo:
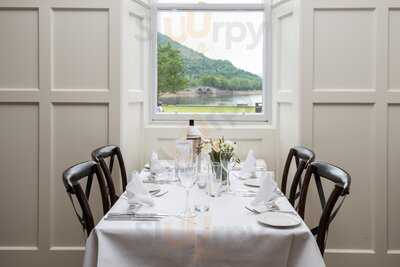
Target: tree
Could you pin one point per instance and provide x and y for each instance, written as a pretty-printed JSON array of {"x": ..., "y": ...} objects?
[{"x": 171, "y": 76}]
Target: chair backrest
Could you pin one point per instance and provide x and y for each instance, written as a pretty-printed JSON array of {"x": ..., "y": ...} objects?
[
  {"x": 341, "y": 180},
  {"x": 100, "y": 155},
  {"x": 72, "y": 179},
  {"x": 302, "y": 157}
]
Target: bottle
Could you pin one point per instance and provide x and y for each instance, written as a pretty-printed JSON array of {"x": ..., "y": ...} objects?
[{"x": 193, "y": 134}]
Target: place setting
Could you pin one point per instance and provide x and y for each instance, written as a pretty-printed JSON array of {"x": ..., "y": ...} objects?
[
  {"x": 250, "y": 171},
  {"x": 269, "y": 214},
  {"x": 138, "y": 195},
  {"x": 268, "y": 206},
  {"x": 249, "y": 168},
  {"x": 158, "y": 171}
]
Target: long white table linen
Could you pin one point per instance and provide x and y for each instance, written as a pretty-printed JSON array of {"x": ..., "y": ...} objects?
[{"x": 228, "y": 235}]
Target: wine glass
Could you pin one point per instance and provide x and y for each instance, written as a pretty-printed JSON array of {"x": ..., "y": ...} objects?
[
  {"x": 183, "y": 153},
  {"x": 187, "y": 176}
]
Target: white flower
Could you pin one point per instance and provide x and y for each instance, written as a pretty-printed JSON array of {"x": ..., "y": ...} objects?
[{"x": 230, "y": 143}]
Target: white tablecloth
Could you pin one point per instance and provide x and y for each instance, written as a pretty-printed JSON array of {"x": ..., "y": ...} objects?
[{"x": 228, "y": 235}]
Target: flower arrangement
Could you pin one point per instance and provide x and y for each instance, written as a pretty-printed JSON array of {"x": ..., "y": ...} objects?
[{"x": 221, "y": 150}]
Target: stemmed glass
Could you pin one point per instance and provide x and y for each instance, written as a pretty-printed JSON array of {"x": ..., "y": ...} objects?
[
  {"x": 187, "y": 176},
  {"x": 186, "y": 171}
]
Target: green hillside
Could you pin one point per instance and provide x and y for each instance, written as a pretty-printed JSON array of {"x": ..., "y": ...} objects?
[{"x": 200, "y": 70}]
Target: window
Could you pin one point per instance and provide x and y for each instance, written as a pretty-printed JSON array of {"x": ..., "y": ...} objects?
[{"x": 210, "y": 60}]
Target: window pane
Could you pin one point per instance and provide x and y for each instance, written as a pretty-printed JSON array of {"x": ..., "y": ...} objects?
[{"x": 210, "y": 62}]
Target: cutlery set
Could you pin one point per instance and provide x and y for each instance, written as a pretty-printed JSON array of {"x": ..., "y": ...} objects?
[
  {"x": 243, "y": 193},
  {"x": 272, "y": 208},
  {"x": 134, "y": 216},
  {"x": 150, "y": 181},
  {"x": 156, "y": 193}
]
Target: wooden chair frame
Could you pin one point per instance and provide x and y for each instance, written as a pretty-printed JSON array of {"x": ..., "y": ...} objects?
[
  {"x": 100, "y": 155},
  {"x": 72, "y": 178},
  {"x": 302, "y": 156},
  {"x": 342, "y": 181}
]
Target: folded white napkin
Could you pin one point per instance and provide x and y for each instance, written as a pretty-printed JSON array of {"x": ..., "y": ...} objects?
[
  {"x": 267, "y": 188},
  {"x": 248, "y": 169},
  {"x": 137, "y": 192},
  {"x": 156, "y": 165}
]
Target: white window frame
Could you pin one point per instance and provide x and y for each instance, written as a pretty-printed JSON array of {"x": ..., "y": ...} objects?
[{"x": 267, "y": 64}]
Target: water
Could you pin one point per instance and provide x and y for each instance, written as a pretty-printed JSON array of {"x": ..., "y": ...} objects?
[{"x": 213, "y": 100}]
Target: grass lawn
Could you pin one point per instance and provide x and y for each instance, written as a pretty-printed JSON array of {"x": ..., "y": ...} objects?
[{"x": 207, "y": 109}]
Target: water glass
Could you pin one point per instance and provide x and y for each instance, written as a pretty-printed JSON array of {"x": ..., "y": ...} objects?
[
  {"x": 202, "y": 199},
  {"x": 215, "y": 179}
]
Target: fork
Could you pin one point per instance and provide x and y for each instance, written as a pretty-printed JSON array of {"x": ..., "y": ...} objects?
[
  {"x": 272, "y": 210},
  {"x": 154, "y": 193},
  {"x": 132, "y": 218},
  {"x": 160, "y": 194}
]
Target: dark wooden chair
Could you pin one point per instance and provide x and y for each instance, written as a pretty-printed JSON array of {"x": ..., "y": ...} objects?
[
  {"x": 302, "y": 157},
  {"x": 100, "y": 155},
  {"x": 341, "y": 180},
  {"x": 72, "y": 179}
]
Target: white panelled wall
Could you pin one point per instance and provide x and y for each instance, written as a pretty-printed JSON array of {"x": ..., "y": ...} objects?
[
  {"x": 59, "y": 99},
  {"x": 135, "y": 18},
  {"x": 75, "y": 75},
  {"x": 350, "y": 115},
  {"x": 285, "y": 83}
]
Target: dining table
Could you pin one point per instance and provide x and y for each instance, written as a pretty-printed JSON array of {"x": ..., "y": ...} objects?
[{"x": 228, "y": 234}]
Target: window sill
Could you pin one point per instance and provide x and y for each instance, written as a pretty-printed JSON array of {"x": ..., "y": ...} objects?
[{"x": 212, "y": 125}]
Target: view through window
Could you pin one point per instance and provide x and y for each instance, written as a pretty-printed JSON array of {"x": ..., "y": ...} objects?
[{"x": 210, "y": 61}]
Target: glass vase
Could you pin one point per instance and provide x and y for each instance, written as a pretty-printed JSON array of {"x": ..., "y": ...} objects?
[
  {"x": 225, "y": 173},
  {"x": 221, "y": 171}
]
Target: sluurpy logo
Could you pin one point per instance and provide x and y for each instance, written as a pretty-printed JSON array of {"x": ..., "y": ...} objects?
[{"x": 203, "y": 26}]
